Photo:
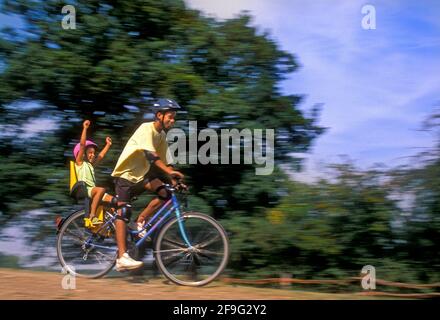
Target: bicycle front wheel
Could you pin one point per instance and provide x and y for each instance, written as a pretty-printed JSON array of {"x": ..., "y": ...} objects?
[
  {"x": 199, "y": 264},
  {"x": 83, "y": 253}
]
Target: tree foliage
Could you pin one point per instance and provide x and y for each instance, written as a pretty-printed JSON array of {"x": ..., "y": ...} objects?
[
  {"x": 227, "y": 74},
  {"x": 123, "y": 54}
]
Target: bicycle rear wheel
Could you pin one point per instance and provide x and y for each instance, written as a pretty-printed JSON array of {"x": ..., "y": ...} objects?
[
  {"x": 83, "y": 253},
  {"x": 196, "y": 266}
]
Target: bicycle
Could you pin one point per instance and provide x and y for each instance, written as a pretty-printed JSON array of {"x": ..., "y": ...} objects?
[{"x": 189, "y": 248}]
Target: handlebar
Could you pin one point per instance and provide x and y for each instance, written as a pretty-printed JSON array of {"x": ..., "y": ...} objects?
[{"x": 179, "y": 186}]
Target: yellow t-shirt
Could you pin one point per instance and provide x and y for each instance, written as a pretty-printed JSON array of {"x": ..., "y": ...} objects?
[{"x": 132, "y": 163}]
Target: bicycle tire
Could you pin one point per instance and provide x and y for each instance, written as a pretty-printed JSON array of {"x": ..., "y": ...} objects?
[
  {"x": 82, "y": 268},
  {"x": 192, "y": 259}
]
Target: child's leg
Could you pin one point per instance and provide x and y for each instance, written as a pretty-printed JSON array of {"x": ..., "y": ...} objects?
[{"x": 97, "y": 194}]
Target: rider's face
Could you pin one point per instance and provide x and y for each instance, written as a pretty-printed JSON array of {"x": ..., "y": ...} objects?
[{"x": 168, "y": 119}]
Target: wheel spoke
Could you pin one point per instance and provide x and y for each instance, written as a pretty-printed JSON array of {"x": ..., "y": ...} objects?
[
  {"x": 192, "y": 268},
  {"x": 175, "y": 244},
  {"x": 170, "y": 250},
  {"x": 101, "y": 257},
  {"x": 75, "y": 236},
  {"x": 204, "y": 252},
  {"x": 80, "y": 229},
  {"x": 208, "y": 242},
  {"x": 202, "y": 236},
  {"x": 172, "y": 259}
]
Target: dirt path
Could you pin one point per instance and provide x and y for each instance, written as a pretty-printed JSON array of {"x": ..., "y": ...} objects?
[{"x": 24, "y": 284}]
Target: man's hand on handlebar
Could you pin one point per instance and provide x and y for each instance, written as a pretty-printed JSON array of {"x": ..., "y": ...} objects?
[
  {"x": 177, "y": 179},
  {"x": 177, "y": 175},
  {"x": 180, "y": 186}
]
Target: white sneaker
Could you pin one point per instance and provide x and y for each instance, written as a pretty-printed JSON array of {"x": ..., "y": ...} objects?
[{"x": 127, "y": 263}]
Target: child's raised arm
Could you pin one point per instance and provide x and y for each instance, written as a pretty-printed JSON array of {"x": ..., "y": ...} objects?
[
  {"x": 108, "y": 143},
  {"x": 82, "y": 143}
]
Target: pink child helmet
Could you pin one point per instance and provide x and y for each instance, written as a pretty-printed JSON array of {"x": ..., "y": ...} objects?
[{"x": 88, "y": 144}]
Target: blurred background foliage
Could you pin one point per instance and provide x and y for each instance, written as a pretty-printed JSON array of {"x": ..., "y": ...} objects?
[{"x": 227, "y": 74}]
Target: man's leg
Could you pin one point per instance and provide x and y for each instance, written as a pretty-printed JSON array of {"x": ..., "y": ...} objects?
[
  {"x": 152, "y": 207},
  {"x": 121, "y": 232},
  {"x": 154, "y": 204},
  {"x": 123, "y": 190}
]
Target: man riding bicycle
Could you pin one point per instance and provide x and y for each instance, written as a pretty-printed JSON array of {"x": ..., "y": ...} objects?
[{"x": 143, "y": 166}]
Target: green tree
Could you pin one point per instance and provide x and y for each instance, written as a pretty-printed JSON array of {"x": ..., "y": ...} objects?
[
  {"x": 419, "y": 187},
  {"x": 124, "y": 53},
  {"x": 328, "y": 229}
]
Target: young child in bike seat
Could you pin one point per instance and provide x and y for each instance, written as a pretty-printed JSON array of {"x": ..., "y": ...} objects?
[{"x": 85, "y": 163}]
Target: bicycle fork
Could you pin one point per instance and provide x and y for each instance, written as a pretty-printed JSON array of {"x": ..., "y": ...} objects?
[{"x": 180, "y": 222}]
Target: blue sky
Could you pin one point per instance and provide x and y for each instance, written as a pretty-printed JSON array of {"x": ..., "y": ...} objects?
[{"x": 377, "y": 86}]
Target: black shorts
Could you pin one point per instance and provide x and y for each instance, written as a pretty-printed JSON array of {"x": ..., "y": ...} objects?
[{"x": 126, "y": 190}]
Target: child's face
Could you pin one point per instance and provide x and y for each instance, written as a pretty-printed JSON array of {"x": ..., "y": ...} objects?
[
  {"x": 169, "y": 119},
  {"x": 90, "y": 154}
]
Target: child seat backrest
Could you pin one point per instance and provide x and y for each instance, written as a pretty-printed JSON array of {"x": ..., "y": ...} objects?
[
  {"x": 73, "y": 176},
  {"x": 78, "y": 189}
]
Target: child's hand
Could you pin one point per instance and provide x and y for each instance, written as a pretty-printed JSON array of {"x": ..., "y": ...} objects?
[
  {"x": 86, "y": 124},
  {"x": 108, "y": 140}
]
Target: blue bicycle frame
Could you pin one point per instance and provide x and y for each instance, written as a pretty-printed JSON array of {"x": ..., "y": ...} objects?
[{"x": 174, "y": 205}]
